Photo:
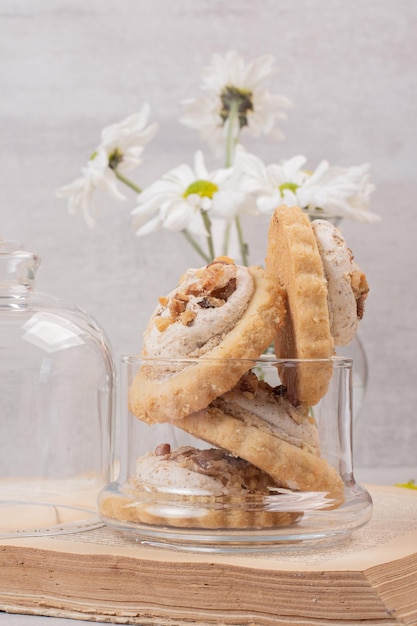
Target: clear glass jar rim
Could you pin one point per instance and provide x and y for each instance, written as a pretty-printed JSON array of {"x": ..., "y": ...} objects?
[
  {"x": 14, "y": 248},
  {"x": 267, "y": 359}
]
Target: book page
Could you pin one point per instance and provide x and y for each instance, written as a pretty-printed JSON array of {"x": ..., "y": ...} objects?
[{"x": 390, "y": 534}]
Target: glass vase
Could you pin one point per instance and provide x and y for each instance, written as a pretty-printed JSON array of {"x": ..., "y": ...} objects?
[
  {"x": 252, "y": 468},
  {"x": 56, "y": 422},
  {"x": 356, "y": 351}
]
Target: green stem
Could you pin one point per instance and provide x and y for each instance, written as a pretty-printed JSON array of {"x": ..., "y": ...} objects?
[
  {"x": 230, "y": 150},
  {"x": 126, "y": 181},
  {"x": 242, "y": 244},
  {"x": 195, "y": 245},
  {"x": 226, "y": 239},
  {"x": 207, "y": 224},
  {"x": 230, "y": 140}
]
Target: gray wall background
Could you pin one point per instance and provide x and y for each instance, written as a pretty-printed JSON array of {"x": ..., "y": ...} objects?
[{"x": 70, "y": 67}]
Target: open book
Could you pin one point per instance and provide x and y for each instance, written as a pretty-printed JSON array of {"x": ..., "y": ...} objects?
[{"x": 102, "y": 576}]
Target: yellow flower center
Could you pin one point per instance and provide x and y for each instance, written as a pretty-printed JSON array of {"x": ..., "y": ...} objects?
[
  {"x": 204, "y": 188},
  {"x": 291, "y": 186}
]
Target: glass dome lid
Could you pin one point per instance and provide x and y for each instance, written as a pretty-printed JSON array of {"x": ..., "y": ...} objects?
[{"x": 57, "y": 381}]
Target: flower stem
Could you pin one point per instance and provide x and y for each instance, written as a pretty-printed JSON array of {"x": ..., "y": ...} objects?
[
  {"x": 226, "y": 239},
  {"x": 207, "y": 224},
  {"x": 126, "y": 181},
  {"x": 230, "y": 151},
  {"x": 230, "y": 140},
  {"x": 195, "y": 245},
  {"x": 242, "y": 244}
]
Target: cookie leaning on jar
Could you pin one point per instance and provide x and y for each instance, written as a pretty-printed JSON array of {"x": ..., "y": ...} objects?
[{"x": 325, "y": 295}]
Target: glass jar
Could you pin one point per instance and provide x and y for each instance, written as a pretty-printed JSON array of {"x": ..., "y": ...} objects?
[
  {"x": 356, "y": 351},
  {"x": 235, "y": 454},
  {"x": 57, "y": 386}
]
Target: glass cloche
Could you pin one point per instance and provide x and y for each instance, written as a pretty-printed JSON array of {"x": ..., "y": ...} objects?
[{"x": 57, "y": 381}]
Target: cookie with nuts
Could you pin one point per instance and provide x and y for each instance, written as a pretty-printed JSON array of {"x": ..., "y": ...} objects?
[
  {"x": 257, "y": 422},
  {"x": 201, "y": 338},
  {"x": 194, "y": 488}
]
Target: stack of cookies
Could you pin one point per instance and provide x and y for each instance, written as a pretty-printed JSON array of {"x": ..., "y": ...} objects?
[{"x": 202, "y": 341}]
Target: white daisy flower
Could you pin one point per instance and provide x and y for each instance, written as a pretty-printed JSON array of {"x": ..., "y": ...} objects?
[
  {"x": 271, "y": 185},
  {"x": 227, "y": 82},
  {"x": 181, "y": 198},
  {"x": 96, "y": 175},
  {"x": 120, "y": 150},
  {"x": 124, "y": 142},
  {"x": 193, "y": 200},
  {"x": 338, "y": 192},
  {"x": 326, "y": 192}
]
